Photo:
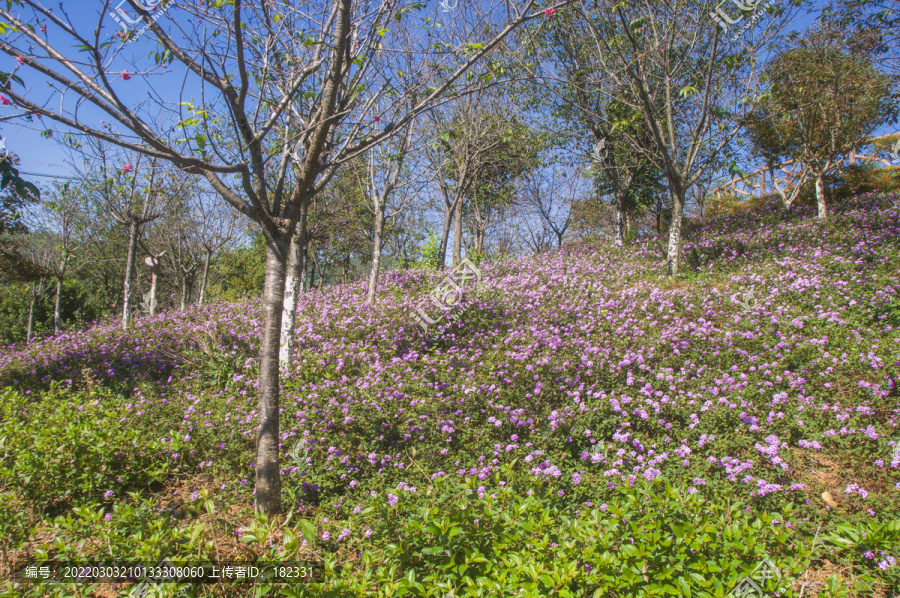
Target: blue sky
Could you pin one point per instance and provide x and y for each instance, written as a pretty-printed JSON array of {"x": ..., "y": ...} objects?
[{"x": 49, "y": 156}]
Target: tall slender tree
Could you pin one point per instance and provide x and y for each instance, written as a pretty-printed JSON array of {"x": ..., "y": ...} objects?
[
  {"x": 379, "y": 199},
  {"x": 65, "y": 221}
]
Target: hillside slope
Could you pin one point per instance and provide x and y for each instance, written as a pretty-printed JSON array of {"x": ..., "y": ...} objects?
[{"x": 587, "y": 427}]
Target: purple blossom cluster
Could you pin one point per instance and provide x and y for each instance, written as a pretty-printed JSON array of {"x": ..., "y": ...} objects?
[{"x": 559, "y": 352}]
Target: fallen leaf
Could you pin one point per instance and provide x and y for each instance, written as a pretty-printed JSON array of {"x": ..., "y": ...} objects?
[{"x": 829, "y": 500}]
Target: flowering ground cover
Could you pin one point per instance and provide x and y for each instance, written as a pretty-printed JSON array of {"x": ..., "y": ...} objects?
[{"x": 588, "y": 427}]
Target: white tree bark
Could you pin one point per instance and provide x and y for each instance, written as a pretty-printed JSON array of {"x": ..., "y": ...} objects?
[
  {"x": 376, "y": 252},
  {"x": 620, "y": 218},
  {"x": 56, "y": 307},
  {"x": 205, "y": 279},
  {"x": 294, "y": 279},
  {"x": 129, "y": 273},
  {"x": 673, "y": 257},
  {"x": 820, "y": 196}
]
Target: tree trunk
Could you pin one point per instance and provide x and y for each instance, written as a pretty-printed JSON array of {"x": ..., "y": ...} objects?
[
  {"x": 479, "y": 241},
  {"x": 376, "y": 252},
  {"x": 304, "y": 257},
  {"x": 268, "y": 478},
  {"x": 205, "y": 275},
  {"x": 296, "y": 272},
  {"x": 345, "y": 270},
  {"x": 56, "y": 307},
  {"x": 183, "y": 291},
  {"x": 30, "y": 330},
  {"x": 129, "y": 274},
  {"x": 457, "y": 236},
  {"x": 445, "y": 236},
  {"x": 629, "y": 221},
  {"x": 620, "y": 217},
  {"x": 820, "y": 196},
  {"x": 314, "y": 271},
  {"x": 673, "y": 258},
  {"x": 658, "y": 215},
  {"x": 153, "y": 287}
]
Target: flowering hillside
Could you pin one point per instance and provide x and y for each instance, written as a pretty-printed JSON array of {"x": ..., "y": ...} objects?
[{"x": 587, "y": 427}]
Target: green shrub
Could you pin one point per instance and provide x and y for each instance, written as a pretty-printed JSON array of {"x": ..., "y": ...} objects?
[
  {"x": 462, "y": 538},
  {"x": 68, "y": 446}
]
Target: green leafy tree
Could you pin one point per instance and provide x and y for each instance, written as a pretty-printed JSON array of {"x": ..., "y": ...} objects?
[
  {"x": 823, "y": 101},
  {"x": 16, "y": 195},
  {"x": 240, "y": 271},
  {"x": 493, "y": 191},
  {"x": 670, "y": 63},
  {"x": 586, "y": 100},
  {"x": 478, "y": 156},
  {"x": 870, "y": 26}
]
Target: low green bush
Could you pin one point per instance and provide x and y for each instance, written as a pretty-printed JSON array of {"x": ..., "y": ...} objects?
[
  {"x": 466, "y": 538},
  {"x": 71, "y": 446}
]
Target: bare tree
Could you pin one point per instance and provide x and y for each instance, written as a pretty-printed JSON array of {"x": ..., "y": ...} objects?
[
  {"x": 183, "y": 249},
  {"x": 215, "y": 226},
  {"x": 64, "y": 224},
  {"x": 129, "y": 194},
  {"x": 550, "y": 201},
  {"x": 379, "y": 199}
]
